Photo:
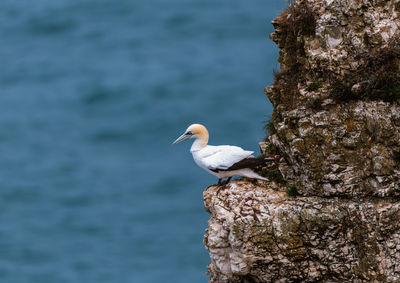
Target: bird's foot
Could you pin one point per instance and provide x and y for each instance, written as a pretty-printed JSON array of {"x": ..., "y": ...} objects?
[{"x": 223, "y": 183}]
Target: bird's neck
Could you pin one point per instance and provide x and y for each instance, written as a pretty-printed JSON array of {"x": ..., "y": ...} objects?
[{"x": 199, "y": 144}]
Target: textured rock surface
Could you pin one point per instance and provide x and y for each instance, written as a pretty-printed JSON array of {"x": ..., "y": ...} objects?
[
  {"x": 335, "y": 139},
  {"x": 347, "y": 150},
  {"x": 338, "y": 127},
  {"x": 331, "y": 48},
  {"x": 258, "y": 234}
]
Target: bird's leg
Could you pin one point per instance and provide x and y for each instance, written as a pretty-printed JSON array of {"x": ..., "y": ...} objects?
[
  {"x": 219, "y": 182},
  {"x": 226, "y": 181}
]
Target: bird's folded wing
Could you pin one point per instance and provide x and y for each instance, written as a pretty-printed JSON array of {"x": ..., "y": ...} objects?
[{"x": 224, "y": 157}]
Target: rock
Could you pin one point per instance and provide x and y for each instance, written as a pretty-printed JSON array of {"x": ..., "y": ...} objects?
[
  {"x": 275, "y": 238},
  {"x": 336, "y": 101},
  {"x": 334, "y": 142},
  {"x": 344, "y": 148}
]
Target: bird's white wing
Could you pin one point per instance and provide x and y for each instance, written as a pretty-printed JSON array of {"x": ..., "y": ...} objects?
[{"x": 224, "y": 156}]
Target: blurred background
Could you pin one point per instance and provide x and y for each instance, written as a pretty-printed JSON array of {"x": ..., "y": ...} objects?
[{"x": 92, "y": 94}]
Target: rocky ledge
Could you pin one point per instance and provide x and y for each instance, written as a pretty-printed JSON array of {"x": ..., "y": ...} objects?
[
  {"x": 332, "y": 208},
  {"x": 259, "y": 234}
]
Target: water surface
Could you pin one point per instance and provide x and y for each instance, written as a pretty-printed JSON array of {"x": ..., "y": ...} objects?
[{"x": 93, "y": 92}]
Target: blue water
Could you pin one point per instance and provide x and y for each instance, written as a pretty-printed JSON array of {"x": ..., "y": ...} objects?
[{"x": 92, "y": 93}]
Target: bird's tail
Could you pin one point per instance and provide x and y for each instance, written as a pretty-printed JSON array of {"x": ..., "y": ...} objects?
[{"x": 251, "y": 174}]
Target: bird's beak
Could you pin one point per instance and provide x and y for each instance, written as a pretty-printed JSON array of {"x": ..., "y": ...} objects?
[{"x": 181, "y": 138}]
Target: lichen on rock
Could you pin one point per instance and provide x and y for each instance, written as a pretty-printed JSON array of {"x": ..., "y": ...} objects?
[
  {"x": 259, "y": 234},
  {"x": 345, "y": 150},
  {"x": 336, "y": 111},
  {"x": 331, "y": 212}
]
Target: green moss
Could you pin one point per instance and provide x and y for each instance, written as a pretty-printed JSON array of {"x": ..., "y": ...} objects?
[
  {"x": 235, "y": 229},
  {"x": 273, "y": 175},
  {"x": 268, "y": 147},
  {"x": 269, "y": 127}
]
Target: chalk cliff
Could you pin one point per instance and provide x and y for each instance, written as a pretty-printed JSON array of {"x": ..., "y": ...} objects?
[{"x": 331, "y": 212}]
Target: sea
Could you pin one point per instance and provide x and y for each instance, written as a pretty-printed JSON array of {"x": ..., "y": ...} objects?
[{"x": 92, "y": 94}]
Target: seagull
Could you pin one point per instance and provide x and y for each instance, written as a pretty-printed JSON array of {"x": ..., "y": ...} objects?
[{"x": 223, "y": 161}]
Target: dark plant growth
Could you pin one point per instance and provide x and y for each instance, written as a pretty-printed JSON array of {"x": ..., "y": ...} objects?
[
  {"x": 378, "y": 76},
  {"x": 269, "y": 127},
  {"x": 313, "y": 86},
  {"x": 396, "y": 156},
  {"x": 292, "y": 191},
  {"x": 273, "y": 174},
  {"x": 297, "y": 21}
]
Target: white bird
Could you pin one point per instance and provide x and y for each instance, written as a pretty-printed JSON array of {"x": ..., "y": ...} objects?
[{"x": 223, "y": 161}]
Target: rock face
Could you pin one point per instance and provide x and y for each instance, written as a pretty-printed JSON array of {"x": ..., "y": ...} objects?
[
  {"x": 350, "y": 149},
  {"x": 335, "y": 136},
  {"x": 259, "y": 234}
]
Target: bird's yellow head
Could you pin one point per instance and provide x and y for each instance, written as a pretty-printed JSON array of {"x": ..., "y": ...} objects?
[{"x": 195, "y": 131}]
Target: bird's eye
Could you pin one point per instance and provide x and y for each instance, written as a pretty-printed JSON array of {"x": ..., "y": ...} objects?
[{"x": 189, "y": 133}]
